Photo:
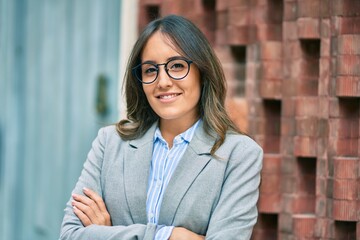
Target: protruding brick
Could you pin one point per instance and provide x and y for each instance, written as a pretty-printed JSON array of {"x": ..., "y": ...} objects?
[
  {"x": 345, "y": 210},
  {"x": 308, "y": 28},
  {"x": 346, "y": 7},
  {"x": 270, "y": 89},
  {"x": 347, "y": 25},
  {"x": 304, "y": 225},
  {"x": 348, "y": 65},
  {"x": 307, "y": 106},
  {"x": 269, "y": 203},
  {"x": 272, "y": 164},
  {"x": 309, "y": 8},
  {"x": 349, "y": 44},
  {"x": 346, "y": 167},
  {"x": 348, "y": 86},
  {"x": 345, "y": 189}
]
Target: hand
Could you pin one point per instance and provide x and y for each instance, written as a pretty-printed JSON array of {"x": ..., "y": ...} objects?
[
  {"x": 91, "y": 209},
  {"x": 180, "y": 233}
]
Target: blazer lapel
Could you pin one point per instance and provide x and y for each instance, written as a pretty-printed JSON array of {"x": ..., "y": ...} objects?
[
  {"x": 195, "y": 158},
  {"x": 136, "y": 174}
]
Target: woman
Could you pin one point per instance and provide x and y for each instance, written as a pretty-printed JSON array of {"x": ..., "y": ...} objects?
[{"x": 177, "y": 168}]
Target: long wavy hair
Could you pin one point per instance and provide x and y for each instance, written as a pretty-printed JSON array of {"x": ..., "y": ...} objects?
[{"x": 194, "y": 45}]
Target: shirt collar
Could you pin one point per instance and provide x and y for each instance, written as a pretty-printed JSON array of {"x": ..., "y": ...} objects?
[{"x": 185, "y": 136}]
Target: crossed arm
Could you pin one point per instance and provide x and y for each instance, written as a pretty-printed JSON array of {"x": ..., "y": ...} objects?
[{"x": 91, "y": 209}]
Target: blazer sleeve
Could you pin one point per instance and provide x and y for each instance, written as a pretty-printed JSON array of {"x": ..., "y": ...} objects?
[
  {"x": 236, "y": 213},
  {"x": 72, "y": 228}
]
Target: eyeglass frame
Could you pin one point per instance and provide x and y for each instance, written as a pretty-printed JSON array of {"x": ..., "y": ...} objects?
[{"x": 134, "y": 69}]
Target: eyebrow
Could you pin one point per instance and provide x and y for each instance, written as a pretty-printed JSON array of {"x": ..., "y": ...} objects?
[{"x": 167, "y": 60}]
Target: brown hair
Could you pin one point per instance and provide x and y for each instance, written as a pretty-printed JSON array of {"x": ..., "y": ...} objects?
[{"x": 192, "y": 42}]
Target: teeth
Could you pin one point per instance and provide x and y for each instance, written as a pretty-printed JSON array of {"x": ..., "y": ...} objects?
[{"x": 168, "y": 96}]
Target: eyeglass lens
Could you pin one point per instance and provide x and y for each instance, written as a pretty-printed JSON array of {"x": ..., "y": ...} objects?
[{"x": 176, "y": 69}]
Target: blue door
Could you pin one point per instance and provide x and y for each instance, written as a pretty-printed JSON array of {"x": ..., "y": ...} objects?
[{"x": 58, "y": 86}]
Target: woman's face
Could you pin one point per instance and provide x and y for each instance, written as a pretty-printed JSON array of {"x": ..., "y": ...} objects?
[{"x": 171, "y": 99}]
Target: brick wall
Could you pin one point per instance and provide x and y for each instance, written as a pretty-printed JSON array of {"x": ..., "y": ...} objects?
[{"x": 293, "y": 71}]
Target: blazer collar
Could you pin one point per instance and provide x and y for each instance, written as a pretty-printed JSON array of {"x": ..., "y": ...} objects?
[
  {"x": 136, "y": 174},
  {"x": 194, "y": 160},
  {"x": 137, "y": 168}
]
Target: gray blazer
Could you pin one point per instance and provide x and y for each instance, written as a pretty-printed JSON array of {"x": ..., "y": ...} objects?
[{"x": 209, "y": 196}]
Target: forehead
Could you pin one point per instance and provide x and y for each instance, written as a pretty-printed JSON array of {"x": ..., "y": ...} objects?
[{"x": 160, "y": 45}]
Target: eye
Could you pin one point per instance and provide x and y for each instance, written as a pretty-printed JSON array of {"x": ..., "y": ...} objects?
[
  {"x": 177, "y": 65},
  {"x": 149, "y": 69}
]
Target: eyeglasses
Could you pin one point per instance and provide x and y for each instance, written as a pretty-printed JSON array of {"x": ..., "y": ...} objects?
[{"x": 176, "y": 68}]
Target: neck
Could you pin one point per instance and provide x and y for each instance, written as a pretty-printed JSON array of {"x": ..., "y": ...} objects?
[{"x": 171, "y": 128}]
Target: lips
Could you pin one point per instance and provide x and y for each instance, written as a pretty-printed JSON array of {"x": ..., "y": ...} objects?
[{"x": 168, "y": 96}]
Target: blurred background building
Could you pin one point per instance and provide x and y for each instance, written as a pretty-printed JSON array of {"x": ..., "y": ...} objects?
[{"x": 293, "y": 74}]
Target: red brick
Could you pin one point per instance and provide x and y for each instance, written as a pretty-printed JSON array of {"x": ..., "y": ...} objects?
[
  {"x": 344, "y": 127},
  {"x": 237, "y": 3},
  {"x": 308, "y": 28},
  {"x": 292, "y": 50},
  {"x": 348, "y": 65},
  {"x": 325, "y": 28},
  {"x": 345, "y": 210},
  {"x": 240, "y": 35},
  {"x": 271, "y": 164},
  {"x": 221, "y": 37},
  {"x": 347, "y": 147},
  {"x": 239, "y": 16},
  {"x": 321, "y": 206},
  {"x": 346, "y": 167},
  {"x": 288, "y": 105},
  {"x": 309, "y": 8},
  {"x": 269, "y": 203},
  {"x": 290, "y": 10},
  {"x": 270, "y": 89},
  {"x": 271, "y": 50},
  {"x": 222, "y": 20},
  {"x": 304, "y": 225},
  {"x": 324, "y": 228},
  {"x": 304, "y": 204},
  {"x": 221, "y": 5},
  {"x": 348, "y": 86},
  {"x": 270, "y": 183},
  {"x": 305, "y": 68},
  {"x": 271, "y": 69},
  {"x": 271, "y": 144},
  {"x": 349, "y": 44},
  {"x": 290, "y": 30},
  {"x": 304, "y": 146},
  {"x": 346, "y": 7},
  {"x": 288, "y": 165},
  {"x": 269, "y": 32},
  {"x": 325, "y": 49},
  {"x": 288, "y": 182},
  {"x": 288, "y": 126},
  {"x": 325, "y": 8},
  {"x": 347, "y": 25},
  {"x": 346, "y": 189},
  {"x": 307, "y": 86},
  {"x": 307, "y": 106},
  {"x": 324, "y": 77},
  {"x": 267, "y": 14},
  {"x": 285, "y": 222},
  {"x": 307, "y": 126}
]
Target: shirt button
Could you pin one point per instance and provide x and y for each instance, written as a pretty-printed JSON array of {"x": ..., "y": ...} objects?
[
  {"x": 159, "y": 183},
  {"x": 151, "y": 215}
]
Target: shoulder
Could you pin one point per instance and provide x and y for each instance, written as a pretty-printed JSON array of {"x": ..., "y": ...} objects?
[
  {"x": 238, "y": 148},
  {"x": 108, "y": 134}
]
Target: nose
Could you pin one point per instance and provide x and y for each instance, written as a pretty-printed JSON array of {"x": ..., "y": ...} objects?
[{"x": 164, "y": 81}]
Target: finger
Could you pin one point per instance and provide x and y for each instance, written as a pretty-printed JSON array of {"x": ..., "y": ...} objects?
[
  {"x": 88, "y": 202},
  {"x": 87, "y": 210},
  {"x": 83, "y": 218},
  {"x": 96, "y": 198}
]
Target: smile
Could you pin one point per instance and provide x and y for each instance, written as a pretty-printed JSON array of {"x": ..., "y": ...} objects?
[{"x": 169, "y": 96}]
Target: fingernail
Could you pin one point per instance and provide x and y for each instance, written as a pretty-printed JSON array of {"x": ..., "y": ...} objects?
[{"x": 85, "y": 189}]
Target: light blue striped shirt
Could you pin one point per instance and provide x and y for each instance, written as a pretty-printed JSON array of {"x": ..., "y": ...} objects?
[{"x": 163, "y": 165}]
